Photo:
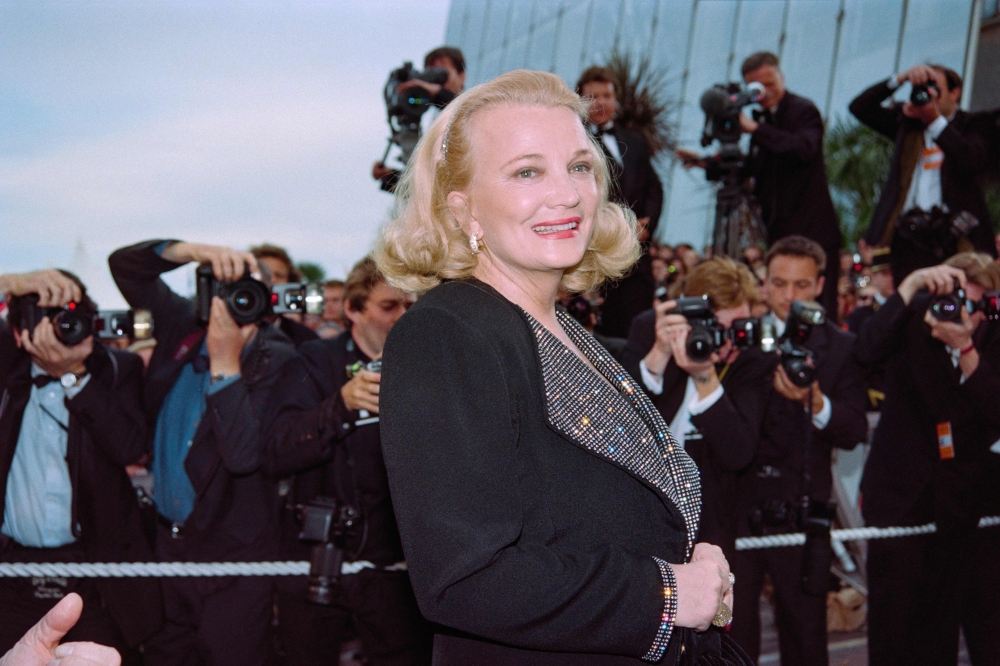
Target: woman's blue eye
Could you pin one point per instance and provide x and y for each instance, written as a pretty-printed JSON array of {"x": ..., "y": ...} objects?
[
  {"x": 580, "y": 168},
  {"x": 526, "y": 173}
]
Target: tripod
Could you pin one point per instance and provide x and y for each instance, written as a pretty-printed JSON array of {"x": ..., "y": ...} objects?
[{"x": 738, "y": 222}]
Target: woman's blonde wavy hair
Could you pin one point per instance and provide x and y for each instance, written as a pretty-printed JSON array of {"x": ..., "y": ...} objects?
[{"x": 424, "y": 244}]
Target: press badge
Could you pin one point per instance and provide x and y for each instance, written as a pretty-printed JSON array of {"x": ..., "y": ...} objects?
[{"x": 946, "y": 445}]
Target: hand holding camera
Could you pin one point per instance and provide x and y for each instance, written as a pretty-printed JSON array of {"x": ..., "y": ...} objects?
[
  {"x": 51, "y": 355},
  {"x": 53, "y": 288},
  {"x": 225, "y": 340},
  {"x": 938, "y": 280},
  {"x": 361, "y": 392},
  {"x": 786, "y": 387},
  {"x": 923, "y": 103},
  {"x": 227, "y": 264}
]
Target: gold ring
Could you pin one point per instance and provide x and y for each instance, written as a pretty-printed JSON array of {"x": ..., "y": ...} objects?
[{"x": 723, "y": 617}]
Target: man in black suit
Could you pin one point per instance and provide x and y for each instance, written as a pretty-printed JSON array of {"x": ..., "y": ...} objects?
[
  {"x": 71, "y": 419},
  {"x": 211, "y": 394},
  {"x": 934, "y": 458},
  {"x": 801, "y": 427},
  {"x": 940, "y": 153},
  {"x": 882, "y": 287},
  {"x": 715, "y": 408},
  {"x": 787, "y": 167},
  {"x": 634, "y": 184}
]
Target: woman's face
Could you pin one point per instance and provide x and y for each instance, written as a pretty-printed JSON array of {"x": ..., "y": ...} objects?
[{"x": 533, "y": 196}]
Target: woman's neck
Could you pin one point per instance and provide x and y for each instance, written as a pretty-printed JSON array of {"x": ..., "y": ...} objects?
[{"x": 534, "y": 292}]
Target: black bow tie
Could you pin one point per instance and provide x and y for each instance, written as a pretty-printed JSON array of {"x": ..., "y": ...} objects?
[
  {"x": 600, "y": 131},
  {"x": 41, "y": 381}
]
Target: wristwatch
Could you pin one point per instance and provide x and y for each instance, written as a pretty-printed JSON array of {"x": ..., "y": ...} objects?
[{"x": 71, "y": 379}]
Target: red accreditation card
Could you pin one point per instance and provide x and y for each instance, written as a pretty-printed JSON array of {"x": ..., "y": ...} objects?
[{"x": 946, "y": 445}]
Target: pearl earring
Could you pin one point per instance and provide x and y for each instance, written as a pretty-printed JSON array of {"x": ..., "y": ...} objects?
[{"x": 474, "y": 243}]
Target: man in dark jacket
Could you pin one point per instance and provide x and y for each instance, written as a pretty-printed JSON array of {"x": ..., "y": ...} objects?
[
  {"x": 801, "y": 427},
  {"x": 634, "y": 184},
  {"x": 934, "y": 458},
  {"x": 283, "y": 271},
  {"x": 210, "y": 393},
  {"x": 715, "y": 408},
  {"x": 333, "y": 449},
  {"x": 71, "y": 419},
  {"x": 940, "y": 153}
]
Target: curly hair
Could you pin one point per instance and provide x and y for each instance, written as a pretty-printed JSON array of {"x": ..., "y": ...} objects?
[{"x": 424, "y": 244}]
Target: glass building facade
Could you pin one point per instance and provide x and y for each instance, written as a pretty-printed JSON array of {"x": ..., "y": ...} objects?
[{"x": 830, "y": 50}]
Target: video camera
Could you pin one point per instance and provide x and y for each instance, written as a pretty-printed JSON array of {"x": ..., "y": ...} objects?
[
  {"x": 405, "y": 108},
  {"x": 250, "y": 301},
  {"x": 707, "y": 334},
  {"x": 327, "y": 524},
  {"x": 73, "y": 326},
  {"x": 722, "y": 104},
  {"x": 948, "y": 307}
]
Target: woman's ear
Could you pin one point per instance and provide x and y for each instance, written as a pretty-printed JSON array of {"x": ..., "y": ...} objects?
[{"x": 458, "y": 204}]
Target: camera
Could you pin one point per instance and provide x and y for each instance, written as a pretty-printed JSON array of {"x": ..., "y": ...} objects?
[
  {"x": 117, "y": 324},
  {"x": 921, "y": 95},
  {"x": 327, "y": 524},
  {"x": 795, "y": 358},
  {"x": 297, "y": 298},
  {"x": 406, "y": 108},
  {"x": 707, "y": 335},
  {"x": 722, "y": 104},
  {"x": 948, "y": 307},
  {"x": 72, "y": 325},
  {"x": 247, "y": 299}
]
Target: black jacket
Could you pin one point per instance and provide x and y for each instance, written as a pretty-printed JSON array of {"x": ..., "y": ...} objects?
[
  {"x": 296, "y": 332},
  {"x": 782, "y": 443},
  {"x": 525, "y": 543},
  {"x": 966, "y": 158},
  {"x": 729, "y": 430},
  {"x": 107, "y": 431},
  {"x": 627, "y": 297},
  {"x": 786, "y": 162},
  {"x": 235, "y": 512},
  {"x": 330, "y": 455},
  {"x": 905, "y": 481},
  {"x": 634, "y": 181}
]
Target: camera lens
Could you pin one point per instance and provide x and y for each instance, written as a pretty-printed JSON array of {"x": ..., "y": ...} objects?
[
  {"x": 248, "y": 301},
  {"x": 947, "y": 308},
  {"x": 798, "y": 370},
  {"x": 700, "y": 345},
  {"x": 72, "y": 328}
]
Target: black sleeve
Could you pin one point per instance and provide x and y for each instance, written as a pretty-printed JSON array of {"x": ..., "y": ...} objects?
[
  {"x": 982, "y": 387},
  {"x": 967, "y": 152},
  {"x": 882, "y": 334},
  {"x": 110, "y": 408},
  {"x": 450, "y": 437},
  {"x": 654, "y": 197},
  {"x": 805, "y": 142},
  {"x": 848, "y": 425},
  {"x": 867, "y": 108},
  {"x": 641, "y": 337}
]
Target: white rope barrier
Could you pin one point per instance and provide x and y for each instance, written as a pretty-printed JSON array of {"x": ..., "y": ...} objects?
[{"x": 853, "y": 534}]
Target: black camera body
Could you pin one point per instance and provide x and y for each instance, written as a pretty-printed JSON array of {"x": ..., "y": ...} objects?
[
  {"x": 796, "y": 359},
  {"x": 921, "y": 95},
  {"x": 405, "y": 108},
  {"x": 248, "y": 300},
  {"x": 948, "y": 307},
  {"x": 327, "y": 524},
  {"x": 707, "y": 334},
  {"x": 72, "y": 325},
  {"x": 722, "y": 104}
]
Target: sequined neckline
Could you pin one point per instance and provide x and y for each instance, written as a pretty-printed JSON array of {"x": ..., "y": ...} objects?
[{"x": 622, "y": 426}]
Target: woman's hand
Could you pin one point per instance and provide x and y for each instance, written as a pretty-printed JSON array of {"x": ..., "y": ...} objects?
[{"x": 702, "y": 587}]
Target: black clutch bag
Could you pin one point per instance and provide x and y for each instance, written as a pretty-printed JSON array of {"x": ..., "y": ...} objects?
[{"x": 711, "y": 648}]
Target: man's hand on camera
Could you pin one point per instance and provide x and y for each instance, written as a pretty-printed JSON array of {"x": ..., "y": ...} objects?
[
  {"x": 748, "y": 124},
  {"x": 705, "y": 378},
  {"x": 433, "y": 89},
  {"x": 53, "y": 288},
  {"x": 658, "y": 357},
  {"x": 936, "y": 279},
  {"x": 225, "y": 340},
  {"x": 690, "y": 159},
  {"x": 784, "y": 386},
  {"x": 380, "y": 171},
  {"x": 955, "y": 334},
  {"x": 227, "y": 264},
  {"x": 917, "y": 75},
  {"x": 53, "y": 356},
  {"x": 361, "y": 392}
]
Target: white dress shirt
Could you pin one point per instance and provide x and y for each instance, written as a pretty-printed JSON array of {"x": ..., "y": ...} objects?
[
  {"x": 608, "y": 139},
  {"x": 681, "y": 426}
]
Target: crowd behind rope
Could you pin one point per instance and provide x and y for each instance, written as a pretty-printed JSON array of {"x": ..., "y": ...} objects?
[{"x": 217, "y": 438}]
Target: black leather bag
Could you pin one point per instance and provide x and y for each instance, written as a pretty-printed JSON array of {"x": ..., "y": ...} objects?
[{"x": 711, "y": 648}]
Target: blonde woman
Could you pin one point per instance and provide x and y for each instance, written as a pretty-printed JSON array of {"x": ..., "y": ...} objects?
[{"x": 547, "y": 514}]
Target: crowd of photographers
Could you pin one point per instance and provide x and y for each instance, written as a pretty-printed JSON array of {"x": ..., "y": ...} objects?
[{"x": 254, "y": 409}]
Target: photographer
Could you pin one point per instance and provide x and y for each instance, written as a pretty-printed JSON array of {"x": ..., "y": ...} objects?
[
  {"x": 283, "y": 271},
  {"x": 931, "y": 460},
  {"x": 791, "y": 446},
  {"x": 786, "y": 164},
  {"x": 441, "y": 95},
  {"x": 211, "y": 393},
  {"x": 939, "y": 155},
  {"x": 333, "y": 449},
  {"x": 715, "y": 407},
  {"x": 71, "y": 419}
]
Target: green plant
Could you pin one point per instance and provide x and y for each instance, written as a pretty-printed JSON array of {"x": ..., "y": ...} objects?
[
  {"x": 857, "y": 166},
  {"x": 642, "y": 107},
  {"x": 311, "y": 272}
]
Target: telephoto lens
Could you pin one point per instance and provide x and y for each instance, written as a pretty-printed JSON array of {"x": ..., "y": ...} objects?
[{"x": 72, "y": 327}]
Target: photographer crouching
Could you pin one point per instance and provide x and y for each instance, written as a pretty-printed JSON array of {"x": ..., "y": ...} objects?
[
  {"x": 210, "y": 391},
  {"x": 934, "y": 457},
  {"x": 715, "y": 401},
  {"x": 338, "y": 513},
  {"x": 71, "y": 419},
  {"x": 818, "y": 402}
]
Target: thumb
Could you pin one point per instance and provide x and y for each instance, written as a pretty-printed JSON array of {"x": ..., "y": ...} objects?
[{"x": 56, "y": 623}]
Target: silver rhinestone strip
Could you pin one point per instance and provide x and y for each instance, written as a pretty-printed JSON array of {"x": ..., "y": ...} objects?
[{"x": 666, "y": 628}]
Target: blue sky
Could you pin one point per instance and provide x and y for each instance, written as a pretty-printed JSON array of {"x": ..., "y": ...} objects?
[{"x": 216, "y": 122}]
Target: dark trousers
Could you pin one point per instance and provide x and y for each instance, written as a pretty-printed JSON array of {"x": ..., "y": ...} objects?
[
  {"x": 801, "y": 617},
  {"x": 922, "y": 589},
  {"x": 23, "y": 601},
  {"x": 212, "y": 621},
  {"x": 382, "y": 608}
]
